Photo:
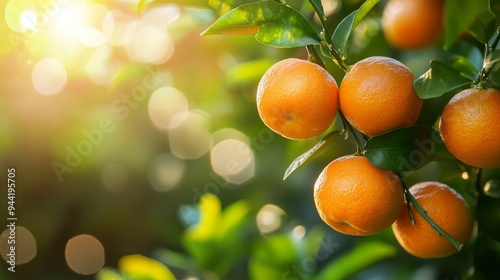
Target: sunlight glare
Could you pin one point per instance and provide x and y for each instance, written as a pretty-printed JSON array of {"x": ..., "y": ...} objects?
[
  {"x": 161, "y": 17},
  {"x": 99, "y": 67},
  {"x": 90, "y": 34},
  {"x": 150, "y": 45},
  {"x": 118, "y": 27},
  {"x": 28, "y": 20}
]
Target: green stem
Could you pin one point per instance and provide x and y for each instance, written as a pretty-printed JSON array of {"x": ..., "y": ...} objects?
[
  {"x": 328, "y": 44},
  {"x": 410, "y": 199},
  {"x": 491, "y": 47},
  {"x": 348, "y": 126},
  {"x": 314, "y": 56}
]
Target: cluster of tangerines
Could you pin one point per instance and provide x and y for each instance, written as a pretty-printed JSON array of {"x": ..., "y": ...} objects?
[{"x": 299, "y": 100}]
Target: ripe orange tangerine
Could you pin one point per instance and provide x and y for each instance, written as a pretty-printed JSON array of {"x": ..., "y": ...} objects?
[
  {"x": 297, "y": 99},
  {"x": 355, "y": 197},
  {"x": 377, "y": 95},
  {"x": 412, "y": 24},
  {"x": 447, "y": 208},
  {"x": 470, "y": 127}
]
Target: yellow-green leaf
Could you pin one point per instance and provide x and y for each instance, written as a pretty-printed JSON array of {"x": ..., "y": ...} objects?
[{"x": 141, "y": 267}]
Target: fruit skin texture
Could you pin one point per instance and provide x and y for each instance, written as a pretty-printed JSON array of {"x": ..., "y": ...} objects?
[
  {"x": 470, "y": 127},
  {"x": 377, "y": 95},
  {"x": 355, "y": 197},
  {"x": 412, "y": 24},
  {"x": 297, "y": 99},
  {"x": 447, "y": 208}
]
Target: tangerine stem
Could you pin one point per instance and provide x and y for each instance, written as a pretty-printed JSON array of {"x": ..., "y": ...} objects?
[
  {"x": 345, "y": 122},
  {"x": 313, "y": 56},
  {"x": 410, "y": 199},
  {"x": 494, "y": 42}
]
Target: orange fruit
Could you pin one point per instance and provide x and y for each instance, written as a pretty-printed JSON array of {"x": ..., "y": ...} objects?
[
  {"x": 412, "y": 24},
  {"x": 447, "y": 208},
  {"x": 470, "y": 126},
  {"x": 355, "y": 197},
  {"x": 297, "y": 99},
  {"x": 376, "y": 95}
]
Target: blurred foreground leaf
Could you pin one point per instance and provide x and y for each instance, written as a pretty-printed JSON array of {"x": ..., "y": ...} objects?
[
  {"x": 273, "y": 23},
  {"x": 459, "y": 16},
  {"x": 273, "y": 258},
  {"x": 401, "y": 149},
  {"x": 216, "y": 241},
  {"x": 483, "y": 27},
  {"x": 139, "y": 267},
  {"x": 108, "y": 274},
  {"x": 208, "y": 225},
  {"x": 362, "y": 256},
  {"x": 177, "y": 260}
]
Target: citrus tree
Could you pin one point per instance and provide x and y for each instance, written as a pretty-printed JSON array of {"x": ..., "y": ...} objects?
[{"x": 400, "y": 123}]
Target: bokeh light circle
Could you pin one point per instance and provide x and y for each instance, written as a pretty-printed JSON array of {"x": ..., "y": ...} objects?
[
  {"x": 191, "y": 138},
  {"x": 164, "y": 104},
  {"x": 165, "y": 172},
  {"x": 270, "y": 218},
  {"x": 233, "y": 160},
  {"x": 84, "y": 254},
  {"x": 49, "y": 76},
  {"x": 25, "y": 246}
]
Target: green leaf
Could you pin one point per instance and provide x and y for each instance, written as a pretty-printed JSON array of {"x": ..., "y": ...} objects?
[
  {"x": 343, "y": 31},
  {"x": 459, "y": 16},
  {"x": 465, "y": 66},
  {"x": 210, "y": 219},
  {"x": 483, "y": 27},
  {"x": 439, "y": 80},
  {"x": 402, "y": 149},
  {"x": 273, "y": 23},
  {"x": 311, "y": 153},
  {"x": 140, "y": 267},
  {"x": 175, "y": 259},
  {"x": 234, "y": 217},
  {"x": 318, "y": 7},
  {"x": 273, "y": 258},
  {"x": 362, "y": 256},
  {"x": 108, "y": 274}
]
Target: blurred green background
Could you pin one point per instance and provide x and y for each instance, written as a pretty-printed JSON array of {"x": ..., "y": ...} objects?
[{"x": 118, "y": 121}]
